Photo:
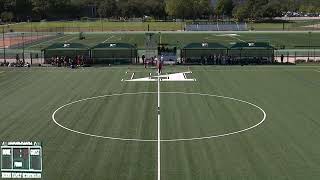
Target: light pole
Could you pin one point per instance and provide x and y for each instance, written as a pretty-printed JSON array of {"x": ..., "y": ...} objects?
[
  {"x": 309, "y": 35},
  {"x": 23, "y": 48},
  {"x": 4, "y": 46}
]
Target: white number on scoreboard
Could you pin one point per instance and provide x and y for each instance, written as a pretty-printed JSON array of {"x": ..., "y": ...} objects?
[
  {"x": 6, "y": 152},
  {"x": 34, "y": 152}
]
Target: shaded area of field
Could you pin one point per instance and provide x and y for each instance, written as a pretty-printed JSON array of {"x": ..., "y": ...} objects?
[{"x": 285, "y": 146}]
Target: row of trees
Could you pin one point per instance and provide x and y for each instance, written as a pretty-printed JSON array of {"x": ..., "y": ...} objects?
[
  {"x": 257, "y": 9},
  {"x": 22, "y": 10}
]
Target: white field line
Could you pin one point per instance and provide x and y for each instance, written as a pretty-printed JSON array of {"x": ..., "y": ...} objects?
[
  {"x": 112, "y": 36},
  {"x": 132, "y": 76},
  {"x": 125, "y": 74},
  {"x": 162, "y": 140},
  {"x": 159, "y": 137},
  {"x": 317, "y": 70},
  {"x": 237, "y": 38},
  {"x": 70, "y": 39},
  {"x": 47, "y": 41},
  {"x": 12, "y": 24}
]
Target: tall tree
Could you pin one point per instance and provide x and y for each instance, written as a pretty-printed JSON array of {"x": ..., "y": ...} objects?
[
  {"x": 23, "y": 10},
  {"x": 6, "y": 16},
  {"x": 107, "y": 8},
  {"x": 241, "y": 12},
  {"x": 224, "y": 7},
  {"x": 40, "y": 8}
]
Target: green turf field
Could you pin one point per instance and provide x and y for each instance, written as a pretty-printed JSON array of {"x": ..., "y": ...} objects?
[
  {"x": 89, "y": 26},
  {"x": 284, "y": 146},
  {"x": 277, "y": 39}
]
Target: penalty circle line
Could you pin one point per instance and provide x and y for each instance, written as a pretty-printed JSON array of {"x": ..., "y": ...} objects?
[{"x": 162, "y": 140}]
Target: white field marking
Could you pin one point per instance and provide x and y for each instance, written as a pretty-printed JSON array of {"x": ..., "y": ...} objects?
[
  {"x": 234, "y": 37},
  {"x": 12, "y": 24},
  {"x": 159, "y": 130},
  {"x": 112, "y": 36},
  {"x": 48, "y": 41},
  {"x": 1, "y": 72},
  {"x": 132, "y": 76},
  {"x": 162, "y": 140},
  {"x": 68, "y": 40},
  {"x": 228, "y": 35},
  {"x": 317, "y": 71},
  {"x": 168, "y": 77}
]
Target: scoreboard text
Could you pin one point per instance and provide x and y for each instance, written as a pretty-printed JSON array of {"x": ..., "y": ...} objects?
[{"x": 21, "y": 159}]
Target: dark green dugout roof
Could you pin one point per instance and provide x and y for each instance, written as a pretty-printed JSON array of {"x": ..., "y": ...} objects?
[
  {"x": 205, "y": 46},
  {"x": 66, "y": 46},
  {"x": 114, "y": 46},
  {"x": 251, "y": 45}
]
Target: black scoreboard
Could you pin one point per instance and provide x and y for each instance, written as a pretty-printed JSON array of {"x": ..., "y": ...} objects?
[{"x": 21, "y": 159}]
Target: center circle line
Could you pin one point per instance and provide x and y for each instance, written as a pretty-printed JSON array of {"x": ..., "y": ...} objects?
[{"x": 162, "y": 140}]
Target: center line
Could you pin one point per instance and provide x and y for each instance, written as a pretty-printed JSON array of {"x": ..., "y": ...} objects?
[{"x": 159, "y": 138}]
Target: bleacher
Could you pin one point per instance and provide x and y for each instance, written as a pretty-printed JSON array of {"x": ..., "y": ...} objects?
[{"x": 216, "y": 26}]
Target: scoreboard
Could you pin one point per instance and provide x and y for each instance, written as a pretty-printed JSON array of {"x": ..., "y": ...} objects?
[{"x": 21, "y": 159}]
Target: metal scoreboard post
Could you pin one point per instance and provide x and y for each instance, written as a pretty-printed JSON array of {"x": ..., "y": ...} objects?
[{"x": 21, "y": 159}]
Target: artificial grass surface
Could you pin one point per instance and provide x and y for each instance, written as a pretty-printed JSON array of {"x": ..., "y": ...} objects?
[
  {"x": 285, "y": 146},
  {"x": 276, "y": 39}
]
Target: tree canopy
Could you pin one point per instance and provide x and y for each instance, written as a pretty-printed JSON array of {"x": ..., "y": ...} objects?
[{"x": 24, "y": 10}]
